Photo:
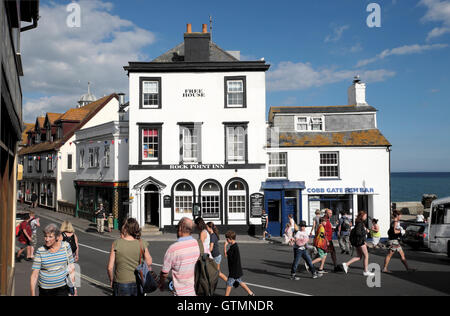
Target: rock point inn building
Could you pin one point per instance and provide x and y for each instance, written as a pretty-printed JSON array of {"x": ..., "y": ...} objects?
[
  {"x": 200, "y": 145},
  {"x": 197, "y": 135}
]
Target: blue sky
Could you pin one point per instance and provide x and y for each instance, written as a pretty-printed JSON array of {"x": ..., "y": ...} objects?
[{"x": 314, "y": 48}]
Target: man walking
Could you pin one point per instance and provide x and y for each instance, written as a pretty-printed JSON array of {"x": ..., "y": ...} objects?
[
  {"x": 343, "y": 231},
  {"x": 329, "y": 237},
  {"x": 264, "y": 224},
  {"x": 181, "y": 258},
  {"x": 34, "y": 199},
  {"x": 101, "y": 215}
]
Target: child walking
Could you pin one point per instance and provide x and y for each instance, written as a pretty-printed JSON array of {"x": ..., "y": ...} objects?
[
  {"x": 234, "y": 264},
  {"x": 321, "y": 243}
]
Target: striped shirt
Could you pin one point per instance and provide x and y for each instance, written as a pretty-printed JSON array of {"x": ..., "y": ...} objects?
[
  {"x": 181, "y": 258},
  {"x": 52, "y": 266}
]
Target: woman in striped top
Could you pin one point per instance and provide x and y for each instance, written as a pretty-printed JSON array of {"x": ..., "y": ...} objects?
[{"x": 50, "y": 265}]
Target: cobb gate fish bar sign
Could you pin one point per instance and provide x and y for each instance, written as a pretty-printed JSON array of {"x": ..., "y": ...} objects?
[{"x": 193, "y": 93}]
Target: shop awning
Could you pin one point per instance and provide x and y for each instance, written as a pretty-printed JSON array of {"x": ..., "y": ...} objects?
[{"x": 283, "y": 185}]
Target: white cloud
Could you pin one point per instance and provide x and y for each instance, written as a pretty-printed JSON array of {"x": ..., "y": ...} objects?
[
  {"x": 402, "y": 50},
  {"x": 59, "y": 60},
  {"x": 289, "y": 76},
  {"x": 337, "y": 34},
  {"x": 439, "y": 12}
]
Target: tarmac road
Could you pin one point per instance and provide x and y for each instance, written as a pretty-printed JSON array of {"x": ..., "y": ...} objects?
[{"x": 266, "y": 270}]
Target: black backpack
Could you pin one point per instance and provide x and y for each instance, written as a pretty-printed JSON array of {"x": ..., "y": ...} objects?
[
  {"x": 345, "y": 226},
  {"x": 71, "y": 241},
  {"x": 206, "y": 274},
  {"x": 356, "y": 239}
]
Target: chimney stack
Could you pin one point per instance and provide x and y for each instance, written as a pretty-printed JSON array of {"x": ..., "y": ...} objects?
[
  {"x": 357, "y": 92},
  {"x": 189, "y": 28},
  {"x": 196, "y": 45}
]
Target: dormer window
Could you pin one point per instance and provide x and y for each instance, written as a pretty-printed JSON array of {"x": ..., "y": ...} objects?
[{"x": 308, "y": 123}]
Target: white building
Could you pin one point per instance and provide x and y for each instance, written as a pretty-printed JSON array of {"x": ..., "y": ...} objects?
[
  {"x": 197, "y": 135},
  {"x": 327, "y": 157},
  {"x": 102, "y": 169},
  {"x": 50, "y": 155}
]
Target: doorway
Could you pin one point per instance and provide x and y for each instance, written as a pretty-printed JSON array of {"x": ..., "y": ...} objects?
[{"x": 151, "y": 205}]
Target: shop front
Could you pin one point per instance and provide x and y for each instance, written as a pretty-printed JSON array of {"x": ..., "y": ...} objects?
[
  {"x": 113, "y": 196},
  {"x": 281, "y": 199}
]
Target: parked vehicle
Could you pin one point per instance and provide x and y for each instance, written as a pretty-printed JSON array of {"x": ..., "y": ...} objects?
[
  {"x": 439, "y": 226},
  {"x": 416, "y": 235}
]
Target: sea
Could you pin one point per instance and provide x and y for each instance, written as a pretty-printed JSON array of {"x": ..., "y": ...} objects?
[{"x": 410, "y": 186}]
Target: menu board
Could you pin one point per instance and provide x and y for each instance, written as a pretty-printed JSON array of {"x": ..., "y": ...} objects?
[{"x": 256, "y": 204}]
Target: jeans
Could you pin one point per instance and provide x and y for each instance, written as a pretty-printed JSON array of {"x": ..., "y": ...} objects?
[
  {"x": 125, "y": 289},
  {"x": 302, "y": 253}
]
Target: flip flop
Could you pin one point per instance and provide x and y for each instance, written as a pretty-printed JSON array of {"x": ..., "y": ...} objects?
[{"x": 387, "y": 271}]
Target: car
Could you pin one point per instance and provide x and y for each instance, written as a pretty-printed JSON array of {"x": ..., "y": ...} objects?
[{"x": 416, "y": 235}]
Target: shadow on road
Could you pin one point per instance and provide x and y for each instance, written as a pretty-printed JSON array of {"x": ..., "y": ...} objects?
[{"x": 438, "y": 281}]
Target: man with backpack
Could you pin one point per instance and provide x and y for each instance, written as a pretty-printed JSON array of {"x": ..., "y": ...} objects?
[{"x": 343, "y": 232}]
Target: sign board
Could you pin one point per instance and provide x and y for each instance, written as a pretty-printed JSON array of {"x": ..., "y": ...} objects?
[
  {"x": 256, "y": 204},
  {"x": 167, "y": 201}
]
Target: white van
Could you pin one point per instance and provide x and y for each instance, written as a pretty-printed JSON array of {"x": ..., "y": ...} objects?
[{"x": 439, "y": 226}]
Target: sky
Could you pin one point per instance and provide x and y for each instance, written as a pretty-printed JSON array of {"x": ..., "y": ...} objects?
[{"x": 315, "y": 48}]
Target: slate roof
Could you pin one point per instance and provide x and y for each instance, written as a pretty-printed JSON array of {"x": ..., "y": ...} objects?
[
  {"x": 363, "y": 138},
  {"x": 216, "y": 54},
  {"x": 319, "y": 109}
]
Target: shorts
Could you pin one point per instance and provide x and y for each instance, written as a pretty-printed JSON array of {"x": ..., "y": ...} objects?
[
  {"x": 33, "y": 240},
  {"x": 375, "y": 240},
  {"x": 231, "y": 281},
  {"x": 218, "y": 259},
  {"x": 322, "y": 253},
  {"x": 394, "y": 245}
]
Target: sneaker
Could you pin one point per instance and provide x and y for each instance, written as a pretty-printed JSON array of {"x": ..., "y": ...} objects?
[
  {"x": 322, "y": 271},
  {"x": 368, "y": 274},
  {"x": 253, "y": 294},
  {"x": 345, "y": 267},
  {"x": 294, "y": 277},
  {"x": 317, "y": 275}
]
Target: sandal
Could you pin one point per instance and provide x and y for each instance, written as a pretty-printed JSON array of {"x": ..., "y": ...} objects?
[{"x": 387, "y": 271}]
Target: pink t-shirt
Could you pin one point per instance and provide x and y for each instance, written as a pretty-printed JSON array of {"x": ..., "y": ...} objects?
[{"x": 180, "y": 258}]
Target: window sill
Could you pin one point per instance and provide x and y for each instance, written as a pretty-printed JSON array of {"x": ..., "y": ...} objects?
[{"x": 329, "y": 179}]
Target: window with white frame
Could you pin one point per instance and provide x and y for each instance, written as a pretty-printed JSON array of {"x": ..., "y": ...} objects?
[
  {"x": 82, "y": 158},
  {"x": 151, "y": 94},
  {"x": 329, "y": 165},
  {"x": 96, "y": 156},
  {"x": 91, "y": 158},
  {"x": 107, "y": 155},
  {"x": 236, "y": 143},
  {"x": 210, "y": 200},
  {"x": 277, "y": 165},
  {"x": 184, "y": 194},
  {"x": 235, "y": 93},
  {"x": 308, "y": 123},
  {"x": 190, "y": 143},
  {"x": 236, "y": 197}
]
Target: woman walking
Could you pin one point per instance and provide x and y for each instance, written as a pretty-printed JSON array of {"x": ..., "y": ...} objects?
[
  {"x": 214, "y": 248},
  {"x": 358, "y": 240},
  {"x": 394, "y": 234},
  {"x": 124, "y": 258},
  {"x": 68, "y": 235},
  {"x": 51, "y": 265},
  {"x": 375, "y": 234},
  {"x": 203, "y": 234}
]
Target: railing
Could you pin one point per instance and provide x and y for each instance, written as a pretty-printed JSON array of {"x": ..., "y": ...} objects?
[{"x": 66, "y": 208}]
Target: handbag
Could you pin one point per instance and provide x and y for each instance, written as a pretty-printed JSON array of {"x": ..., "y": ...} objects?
[
  {"x": 70, "y": 278},
  {"x": 145, "y": 277}
]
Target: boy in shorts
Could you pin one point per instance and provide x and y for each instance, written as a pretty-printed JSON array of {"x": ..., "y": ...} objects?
[
  {"x": 321, "y": 243},
  {"x": 234, "y": 264}
]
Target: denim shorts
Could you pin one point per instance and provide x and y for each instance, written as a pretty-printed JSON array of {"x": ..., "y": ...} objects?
[
  {"x": 125, "y": 289},
  {"x": 218, "y": 259},
  {"x": 231, "y": 281}
]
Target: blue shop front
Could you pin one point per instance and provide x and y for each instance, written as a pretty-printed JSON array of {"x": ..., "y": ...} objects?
[{"x": 281, "y": 198}]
